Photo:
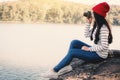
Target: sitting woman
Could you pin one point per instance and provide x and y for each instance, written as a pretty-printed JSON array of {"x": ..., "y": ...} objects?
[{"x": 100, "y": 34}]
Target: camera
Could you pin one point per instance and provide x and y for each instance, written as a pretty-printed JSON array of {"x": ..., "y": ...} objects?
[{"x": 87, "y": 14}]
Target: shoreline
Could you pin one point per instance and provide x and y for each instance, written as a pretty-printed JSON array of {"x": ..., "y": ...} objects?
[{"x": 18, "y": 22}]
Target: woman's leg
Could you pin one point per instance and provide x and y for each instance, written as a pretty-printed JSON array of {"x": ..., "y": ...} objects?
[
  {"x": 75, "y": 44},
  {"x": 78, "y": 53}
]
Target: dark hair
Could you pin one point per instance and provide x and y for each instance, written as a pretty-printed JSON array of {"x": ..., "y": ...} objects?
[{"x": 99, "y": 21}]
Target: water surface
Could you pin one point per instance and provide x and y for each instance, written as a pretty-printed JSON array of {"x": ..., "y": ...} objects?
[{"x": 26, "y": 50}]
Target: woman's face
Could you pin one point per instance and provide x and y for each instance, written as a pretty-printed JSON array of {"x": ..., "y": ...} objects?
[{"x": 92, "y": 18}]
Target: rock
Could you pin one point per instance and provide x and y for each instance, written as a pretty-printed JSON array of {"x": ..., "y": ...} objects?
[{"x": 106, "y": 70}]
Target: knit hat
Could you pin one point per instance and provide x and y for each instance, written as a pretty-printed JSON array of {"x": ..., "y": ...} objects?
[{"x": 101, "y": 9}]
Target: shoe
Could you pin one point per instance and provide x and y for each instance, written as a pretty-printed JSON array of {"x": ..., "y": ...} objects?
[
  {"x": 50, "y": 74},
  {"x": 64, "y": 70}
]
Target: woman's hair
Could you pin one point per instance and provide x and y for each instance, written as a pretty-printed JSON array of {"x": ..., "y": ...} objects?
[{"x": 99, "y": 21}]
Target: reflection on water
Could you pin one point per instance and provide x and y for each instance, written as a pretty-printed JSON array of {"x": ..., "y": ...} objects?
[
  {"x": 26, "y": 48},
  {"x": 8, "y": 72}
]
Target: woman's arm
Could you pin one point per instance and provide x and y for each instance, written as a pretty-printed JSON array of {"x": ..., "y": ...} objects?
[
  {"x": 87, "y": 32},
  {"x": 87, "y": 28},
  {"x": 103, "y": 45}
]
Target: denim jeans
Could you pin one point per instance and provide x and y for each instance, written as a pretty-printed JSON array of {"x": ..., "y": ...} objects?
[{"x": 76, "y": 52}]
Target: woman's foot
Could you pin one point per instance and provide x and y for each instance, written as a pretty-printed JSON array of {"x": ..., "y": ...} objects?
[
  {"x": 50, "y": 74},
  {"x": 66, "y": 69}
]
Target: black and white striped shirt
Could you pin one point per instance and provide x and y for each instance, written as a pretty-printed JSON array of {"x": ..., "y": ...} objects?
[{"x": 103, "y": 46}]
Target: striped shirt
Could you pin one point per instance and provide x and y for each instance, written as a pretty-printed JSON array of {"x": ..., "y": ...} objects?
[{"x": 103, "y": 46}]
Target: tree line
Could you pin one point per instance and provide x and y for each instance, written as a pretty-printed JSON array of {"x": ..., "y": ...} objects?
[{"x": 50, "y": 11}]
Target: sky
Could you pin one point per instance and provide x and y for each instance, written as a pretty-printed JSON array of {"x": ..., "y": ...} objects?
[
  {"x": 7, "y": 0},
  {"x": 112, "y": 2}
]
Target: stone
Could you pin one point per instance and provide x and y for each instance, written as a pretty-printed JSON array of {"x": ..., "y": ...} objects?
[{"x": 106, "y": 70}]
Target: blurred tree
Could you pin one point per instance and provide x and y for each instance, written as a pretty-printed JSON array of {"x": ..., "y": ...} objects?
[{"x": 55, "y": 11}]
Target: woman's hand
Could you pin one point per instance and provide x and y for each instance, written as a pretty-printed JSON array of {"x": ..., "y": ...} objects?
[
  {"x": 89, "y": 20},
  {"x": 85, "y": 48}
]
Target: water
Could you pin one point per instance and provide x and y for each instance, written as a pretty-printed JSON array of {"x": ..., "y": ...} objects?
[
  {"x": 8, "y": 72},
  {"x": 26, "y": 50}
]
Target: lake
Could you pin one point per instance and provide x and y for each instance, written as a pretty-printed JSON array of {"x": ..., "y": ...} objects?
[{"x": 26, "y": 50}]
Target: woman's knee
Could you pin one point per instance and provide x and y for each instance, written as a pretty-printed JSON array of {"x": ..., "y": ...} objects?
[
  {"x": 75, "y": 42},
  {"x": 78, "y": 43}
]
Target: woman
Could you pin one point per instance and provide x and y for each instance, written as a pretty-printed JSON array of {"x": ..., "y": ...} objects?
[{"x": 100, "y": 34}]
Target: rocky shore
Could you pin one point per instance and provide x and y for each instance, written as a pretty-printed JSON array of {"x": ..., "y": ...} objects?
[{"x": 106, "y": 70}]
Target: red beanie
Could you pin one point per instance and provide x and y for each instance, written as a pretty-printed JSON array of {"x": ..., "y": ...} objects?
[{"x": 101, "y": 9}]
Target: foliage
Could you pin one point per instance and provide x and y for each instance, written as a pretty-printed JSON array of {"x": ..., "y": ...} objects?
[{"x": 52, "y": 11}]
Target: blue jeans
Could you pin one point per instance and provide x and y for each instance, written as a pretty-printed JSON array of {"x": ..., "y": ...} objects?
[{"x": 76, "y": 52}]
